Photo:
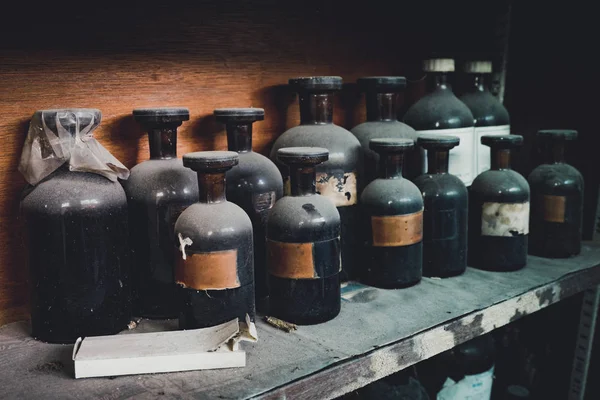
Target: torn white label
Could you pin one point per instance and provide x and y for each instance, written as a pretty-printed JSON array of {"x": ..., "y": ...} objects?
[
  {"x": 182, "y": 243},
  {"x": 340, "y": 188},
  {"x": 505, "y": 219},
  {"x": 473, "y": 387}
]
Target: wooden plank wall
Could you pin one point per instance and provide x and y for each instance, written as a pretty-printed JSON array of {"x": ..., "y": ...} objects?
[{"x": 202, "y": 55}]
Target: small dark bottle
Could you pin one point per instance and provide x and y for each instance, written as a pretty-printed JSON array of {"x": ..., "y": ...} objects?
[
  {"x": 303, "y": 245},
  {"x": 392, "y": 213},
  {"x": 381, "y": 95},
  {"x": 491, "y": 118},
  {"x": 339, "y": 177},
  {"x": 441, "y": 112},
  {"x": 556, "y": 200},
  {"x": 77, "y": 230},
  {"x": 499, "y": 211},
  {"x": 446, "y": 211},
  {"x": 214, "y": 269},
  {"x": 158, "y": 190},
  {"x": 254, "y": 184}
]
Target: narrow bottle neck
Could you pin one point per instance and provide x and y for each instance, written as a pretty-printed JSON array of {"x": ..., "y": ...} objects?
[
  {"x": 390, "y": 165},
  {"x": 556, "y": 152},
  {"x": 211, "y": 187},
  {"x": 316, "y": 108},
  {"x": 239, "y": 137},
  {"x": 302, "y": 180},
  {"x": 163, "y": 142},
  {"x": 439, "y": 80},
  {"x": 479, "y": 83},
  {"x": 437, "y": 161},
  {"x": 382, "y": 106},
  {"x": 500, "y": 159}
]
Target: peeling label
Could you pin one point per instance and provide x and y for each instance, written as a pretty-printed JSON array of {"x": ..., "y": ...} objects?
[
  {"x": 311, "y": 260},
  {"x": 182, "y": 243},
  {"x": 505, "y": 219},
  {"x": 551, "y": 208},
  {"x": 340, "y": 187},
  {"x": 397, "y": 230},
  {"x": 208, "y": 271},
  {"x": 263, "y": 201}
]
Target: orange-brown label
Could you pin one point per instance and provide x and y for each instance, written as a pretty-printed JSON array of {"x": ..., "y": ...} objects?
[
  {"x": 290, "y": 260},
  {"x": 552, "y": 208},
  {"x": 202, "y": 271},
  {"x": 397, "y": 230}
]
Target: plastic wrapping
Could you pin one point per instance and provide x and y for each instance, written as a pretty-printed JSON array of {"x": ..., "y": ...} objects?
[{"x": 65, "y": 135}]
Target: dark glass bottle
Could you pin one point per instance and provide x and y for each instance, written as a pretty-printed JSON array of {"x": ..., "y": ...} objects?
[
  {"x": 78, "y": 247},
  {"x": 339, "y": 177},
  {"x": 254, "y": 184},
  {"x": 158, "y": 190},
  {"x": 446, "y": 211},
  {"x": 392, "y": 212},
  {"x": 499, "y": 211},
  {"x": 491, "y": 118},
  {"x": 381, "y": 95},
  {"x": 214, "y": 268},
  {"x": 441, "y": 112},
  {"x": 556, "y": 200},
  {"x": 303, "y": 245}
]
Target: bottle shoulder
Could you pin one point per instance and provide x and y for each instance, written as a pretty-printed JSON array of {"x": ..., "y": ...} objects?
[
  {"x": 487, "y": 109},
  {"x": 502, "y": 185},
  {"x": 382, "y": 129},
  {"x": 202, "y": 220},
  {"x": 556, "y": 177},
  {"x": 448, "y": 186},
  {"x": 255, "y": 173},
  {"x": 392, "y": 197},
  {"x": 440, "y": 109}
]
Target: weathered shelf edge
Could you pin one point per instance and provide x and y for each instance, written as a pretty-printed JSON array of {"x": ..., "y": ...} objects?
[{"x": 354, "y": 373}]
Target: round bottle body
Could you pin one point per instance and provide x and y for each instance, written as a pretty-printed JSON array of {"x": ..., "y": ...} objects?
[
  {"x": 214, "y": 267},
  {"x": 158, "y": 190},
  {"x": 556, "y": 210},
  {"x": 304, "y": 260},
  {"x": 79, "y": 256}
]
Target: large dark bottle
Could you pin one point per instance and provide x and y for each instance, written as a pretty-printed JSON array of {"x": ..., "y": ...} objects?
[
  {"x": 254, "y": 184},
  {"x": 303, "y": 245},
  {"x": 158, "y": 190},
  {"x": 381, "y": 96},
  {"x": 499, "y": 211},
  {"x": 392, "y": 213},
  {"x": 338, "y": 177},
  {"x": 441, "y": 112},
  {"x": 556, "y": 199},
  {"x": 214, "y": 268},
  {"x": 446, "y": 211},
  {"x": 491, "y": 118},
  {"x": 77, "y": 230}
]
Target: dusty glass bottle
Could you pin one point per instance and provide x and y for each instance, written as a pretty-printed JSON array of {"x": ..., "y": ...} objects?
[
  {"x": 491, "y": 117},
  {"x": 79, "y": 261},
  {"x": 214, "y": 268},
  {"x": 255, "y": 184},
  {"x": 556, "y": 199},
  {"x": 446, "y": 211},
  {"x": 392, "y": 215},
  {"x": 441, "y": 112},
  {"x": 499, "y": 211},
  {"x": 339, "y": 177},
  {"x": 381, "y": 96},
  {"x": 158, "y": 190},
  {"x": 303, "y": 245}
]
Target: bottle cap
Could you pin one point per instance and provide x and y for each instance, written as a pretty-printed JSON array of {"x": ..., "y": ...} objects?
[
  {"x": 161, "y": 115},
  {"x": 478, "y": 67},
  {"x": 516, "y": 392},
  {"x": 565, "y": 134},
  {"x": 381, "y": 83},
  {"x": 250, "y": 114},
  {"x": 502, "y": 141},
  {"x": 210, "y": 160},
  {"x": 438, "y": 141},
  {"x": 303, "y": 155},
  {"x": 316, "y": 83},
  {"x": 390, "y": 145},
  {"x": 438, "y": 65}
]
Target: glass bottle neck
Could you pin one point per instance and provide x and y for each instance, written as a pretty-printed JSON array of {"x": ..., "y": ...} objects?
[
  {"x": 500, "y": 159},
  {"x": 302, "y": 180},
  {"x": 316, "y": 108},
  {"x": 382, "y": 106},
  {"x": 555, "y": 154},
  {"x": 239, "y": 137},
  {"x": 439, "y": 80},
  {"x": 437, "y": 161},
  {"x": 390, "y": 165},
  {"x": 163, "y": 142},
  {"x": 211, "y": 187}
]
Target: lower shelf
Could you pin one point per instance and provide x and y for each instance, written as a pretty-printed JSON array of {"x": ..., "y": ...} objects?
[{"x": 378, "y": 332}]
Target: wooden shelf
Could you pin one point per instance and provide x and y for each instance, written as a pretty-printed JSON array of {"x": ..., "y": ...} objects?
[{"x": 378, "y": 332}]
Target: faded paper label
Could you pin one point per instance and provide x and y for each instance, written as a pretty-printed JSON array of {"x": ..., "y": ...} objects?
[
  {"x": 340, "y": 188},
  {"x": 215, "y": 270},
  {"x": 290, "y": 260},
  {"x": 552, "y": 208},
  {"x": 483, "y": 151},
  {"x": 472, "y": 387},
  {"x": 505, "y": 219},
  {"x": 397, "y": 230}
]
